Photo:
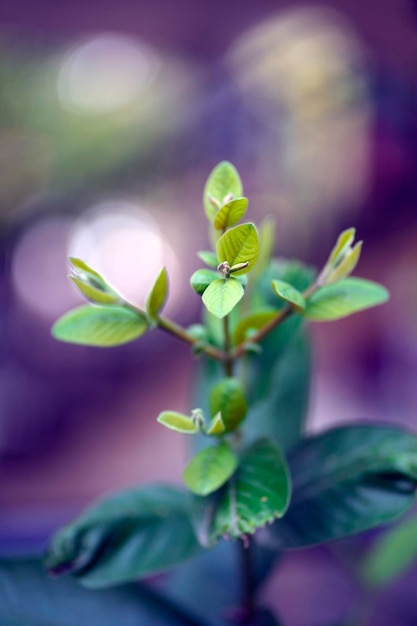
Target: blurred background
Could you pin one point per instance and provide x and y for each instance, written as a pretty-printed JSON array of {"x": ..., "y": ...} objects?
[{"x": 111, "y": 117}]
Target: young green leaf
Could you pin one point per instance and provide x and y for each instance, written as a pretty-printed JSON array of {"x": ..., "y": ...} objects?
[
  {"x": 347, "y": 480},
  {"x": 223, "y": 180},
  {"x": 201, "y": 279},
  {"x": 239, "y": 245},
  {"x": 208, "y": 257},
  {"x": 216, "y": 426},
  {"x": 342, "y": 260},
  {"x": 91, "y": 284},
  {"x": 124, "y": 537},
  {"x": 289, "y": 293},
  {"x": 230, "y": 213},
  {"x": 258, "y": 493},
  {"x": 100, "y": 326},
  {"x": 344, "y": 242},
  {"x": 222, "y": 295},
  {"x": 178, "y": 421},
  {"x": 250, "y": 324},
  {"x": 391, "y": 555},
  {"x": 158, "y": 295},
  {"x": 349, "y": 296},
  {"x": 228, "y": 398},
  {"x": 210, "y": 469},
  {"x": 92, "y": 294}
]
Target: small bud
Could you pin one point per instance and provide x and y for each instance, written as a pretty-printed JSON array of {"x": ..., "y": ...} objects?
[
  {"x": 91, "y": 285},
  {"x": 239, "y": 266},
  {"x": 224, "y": 269},
  {"x": 342, "y": 260},
  {"x": 213, "y": 201}
]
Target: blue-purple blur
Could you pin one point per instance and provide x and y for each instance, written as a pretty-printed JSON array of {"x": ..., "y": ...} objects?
[{"x": 112, "y": 114}]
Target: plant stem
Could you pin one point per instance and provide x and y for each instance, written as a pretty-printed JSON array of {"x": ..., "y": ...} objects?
[
  {"x": 280, "y": 317},
  {"x": 228, "y": 359},
  {"x": 178, "y": 331}
]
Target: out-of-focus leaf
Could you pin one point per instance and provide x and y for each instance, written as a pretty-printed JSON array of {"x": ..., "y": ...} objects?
[
  {"x": 257, "y": 493},
  {"x": 346, "y": 266},
  {"x": 345, "y": 481},
  {"x": 228, "y": 398},
  {"x": 201, "y": 279},
  {"x": 127, "y": 536},
  {"x": 222, "y": 295},
  {"x": 391, "y": 555},
  {"x": 94, "y": 295},
  {"x": 240, "y": 244},
  {"x": 223, "y": 180},
  {"x": 208, "y": 257},
  {"x": 210, "y": 469},
  {"x": 344, "y": 298},
  {"x": 158, "y": 295},
  {"x": 288, "y": 293},
  {"x": 250, "y": 324},
  {"x": 100, "y": 326},
  {"x": 29, "y": 597},
  {"x": 177, "y": 421},
  {"x": 230, "y": 213},
  {"x": 280, "y": 413}
]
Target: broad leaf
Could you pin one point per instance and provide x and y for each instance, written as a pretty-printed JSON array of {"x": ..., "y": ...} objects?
[
  {"x": 230, "y": 213},
  {"x": 228, "y": 398},
  {"x": 158, "y": 295},
  {"x": 239, "y": 245},
  {"x": 223, "y": 181},
  {"x": 201, "y": 279},
  {"x": 344, "y": 298},
  {"x": 257, "y": 494},
  {"x": 345, "y": 481},
  {"x": 29, "y": 597},
  {"x": 177, "y": 421},
  {"x": 210, "y": 469},
  {"x": 208, "y": 257},
  {"x": 391, "y": 555},
  {"x": 127, "y": 536},
  {"x": 222, "y": 295},
  {"x": 289, "y": 293},
  {"x": 100, "y": 326}
]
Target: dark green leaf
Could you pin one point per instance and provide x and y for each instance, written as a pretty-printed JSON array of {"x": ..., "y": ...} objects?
[
  {"x": 391, "y": 555},
  {"x": 228, "y": 398},
  {"x": 201, "y": 279},
  {"x": 224, "y": 180},
  {"x": 127, "y": 536},
  {"x": 280, "y": 411},
  {"x": 222, "y": 295},
  {"x": 210, "y": 469},
  {"x": 345, "y": 481},
  {"x": 258, "y": 493},
  {"x": 230, "y": 213},
  {"x": 29, "y": 597},
  {"x": 158, "y": 295},
  {"x": 344, "y": 298},
  {"x": 239, "y": 245},
  {"x": 100, "y": 326},
  {"x": 178, "y": 422}
]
